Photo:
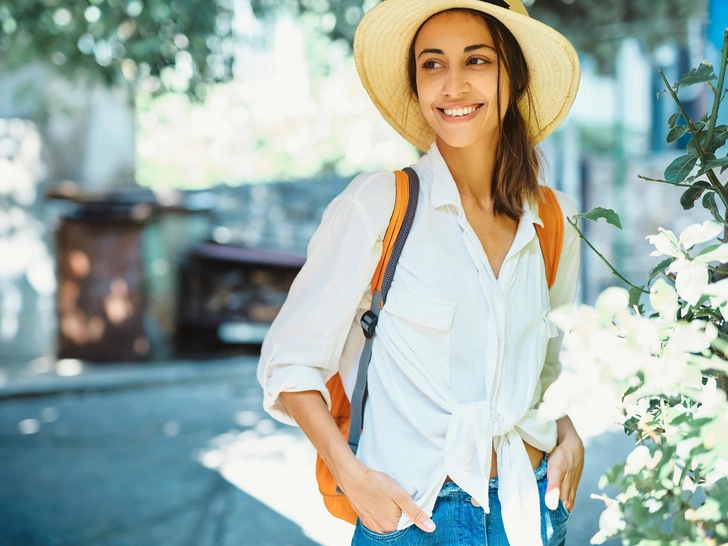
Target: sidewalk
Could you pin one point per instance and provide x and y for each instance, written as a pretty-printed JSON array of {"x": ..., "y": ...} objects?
[
  {"x": 46, "y": 376},
  {"x": 182, "y": 453}
]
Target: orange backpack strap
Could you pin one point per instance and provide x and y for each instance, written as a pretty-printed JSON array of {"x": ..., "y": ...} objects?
[
  {"x": 405, "y": 205},
  {"x": 348, "y": 415},
  {"x": 551, "y": 235},
  {"x": 399, "y": 215}
]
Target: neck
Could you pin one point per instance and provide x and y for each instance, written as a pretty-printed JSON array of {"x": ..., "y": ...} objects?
[{"x": 472, "y": 169}]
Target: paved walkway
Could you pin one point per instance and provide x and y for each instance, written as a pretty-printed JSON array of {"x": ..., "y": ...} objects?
[{"x": 181, "y": 455}]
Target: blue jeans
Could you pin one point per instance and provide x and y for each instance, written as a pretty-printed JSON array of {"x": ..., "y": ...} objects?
[{"x": 459, "y": 523}]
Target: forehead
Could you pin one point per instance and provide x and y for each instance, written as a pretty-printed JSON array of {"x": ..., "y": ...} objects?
[{"x": 451, "y": 29}]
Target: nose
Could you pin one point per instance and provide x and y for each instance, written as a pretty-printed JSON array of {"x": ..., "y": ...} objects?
[{"x": 456, "y": 83}]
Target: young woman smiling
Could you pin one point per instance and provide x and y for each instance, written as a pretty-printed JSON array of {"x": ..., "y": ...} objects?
[{"x": 452, "y": 450}]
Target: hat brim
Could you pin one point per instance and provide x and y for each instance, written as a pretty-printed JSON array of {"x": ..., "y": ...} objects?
[{"x": 381, "y": 47}]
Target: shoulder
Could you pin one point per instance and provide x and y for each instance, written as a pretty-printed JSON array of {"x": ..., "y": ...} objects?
[
  {"x": 373, "y": 194},
  {"x": 567, "y": 204}
]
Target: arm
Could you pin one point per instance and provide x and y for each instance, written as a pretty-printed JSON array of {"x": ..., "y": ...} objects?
[
  {"x": 303, "y": 346},
  {"x": 305, "y": 342}
]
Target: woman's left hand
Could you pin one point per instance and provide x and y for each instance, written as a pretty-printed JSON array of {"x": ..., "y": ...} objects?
[{"x": 565, "y": 465}]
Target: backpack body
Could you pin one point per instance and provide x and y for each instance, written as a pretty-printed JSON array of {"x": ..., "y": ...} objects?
[{"x": 348, "y": 414}]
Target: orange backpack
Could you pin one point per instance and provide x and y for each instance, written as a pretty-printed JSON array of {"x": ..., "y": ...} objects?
[{"x": 348, "y": 415}]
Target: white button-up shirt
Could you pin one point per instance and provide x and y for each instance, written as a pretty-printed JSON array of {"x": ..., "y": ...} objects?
[{"x": 460, "y": 358}]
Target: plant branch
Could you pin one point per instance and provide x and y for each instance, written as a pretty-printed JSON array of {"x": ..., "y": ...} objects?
[
  {"x": 664, "y": 181},
  {"x": 583, "y": 238},
  {"x": 711, "y": 175},
  {"x": 719, "y": 94}
]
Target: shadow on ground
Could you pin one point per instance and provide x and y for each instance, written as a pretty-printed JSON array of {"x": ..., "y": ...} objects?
[{"x": 124, "y": 469}]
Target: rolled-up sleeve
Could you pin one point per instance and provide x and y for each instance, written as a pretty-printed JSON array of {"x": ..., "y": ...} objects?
[
  {"x": 302, "y": 348},
  {"x": 563, "y": 290}
]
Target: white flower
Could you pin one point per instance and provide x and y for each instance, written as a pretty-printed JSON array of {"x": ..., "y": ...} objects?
[
  {"x": 558, "y": 397},
  {"x": 641, "y": 458},
  {"x": 691, "y": 280},
  {"x": 712, "y": 400},
  {"x": 611, "y": 301},
  {"x": 665, "y": 242},
  {"x": 699, "y": 233},
  {"x": 663, "y": 299},
  {"x": 690, "y": 337},
  {"x": 719, "y": 290}
]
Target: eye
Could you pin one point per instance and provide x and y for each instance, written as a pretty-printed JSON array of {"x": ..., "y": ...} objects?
[
  {"x": 482, "y": 61},
  {"x": 428, "y": 65}
]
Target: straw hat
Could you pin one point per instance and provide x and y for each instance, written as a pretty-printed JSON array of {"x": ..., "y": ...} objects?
[{"x": 381, "y": 47}]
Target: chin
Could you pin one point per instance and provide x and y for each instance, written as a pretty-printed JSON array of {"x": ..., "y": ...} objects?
[{"x": 460, "y": 141}]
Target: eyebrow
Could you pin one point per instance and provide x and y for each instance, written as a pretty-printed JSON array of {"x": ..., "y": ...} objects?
[{"x": 466, "y": 50}]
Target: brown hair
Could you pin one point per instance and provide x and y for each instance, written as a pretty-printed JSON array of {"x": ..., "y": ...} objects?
[{"x": 517, "y": 162}]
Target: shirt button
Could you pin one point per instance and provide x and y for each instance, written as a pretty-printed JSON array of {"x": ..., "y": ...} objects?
[{"x": 474, "y": 502}]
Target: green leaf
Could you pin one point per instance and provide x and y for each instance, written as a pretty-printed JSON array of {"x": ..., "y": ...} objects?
[
  {"x": 597, "y": 213},
  {"x": 634, "y": 295},
  {"x": 673, "y": 120},
  {"x": 660, "y": 268},
  {"x": 693, "y": 149},
  {"x": 704, "y": 73},
  {"x": 679, "y": 169},
  {"x": 710, "y": 204},
  {"x": 692, "y": 194},
  {"x": 720, "y": 135},
  {"x": 714, "y": 164},
  {"x": 676, "y": 132}
]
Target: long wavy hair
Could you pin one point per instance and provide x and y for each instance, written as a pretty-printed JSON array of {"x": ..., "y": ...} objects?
[{"x": 518, "y": 161}]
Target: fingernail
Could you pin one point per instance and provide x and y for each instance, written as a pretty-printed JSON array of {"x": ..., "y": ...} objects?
[
  {"x": 552, "y": 499},
  {"x": 429, "y": 525}
]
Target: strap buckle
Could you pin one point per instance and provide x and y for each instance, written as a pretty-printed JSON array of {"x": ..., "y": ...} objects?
[{"x": 369, "y": 323}]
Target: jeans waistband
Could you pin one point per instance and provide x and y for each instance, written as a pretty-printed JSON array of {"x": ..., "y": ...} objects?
[{"x": 451, "y": 488}]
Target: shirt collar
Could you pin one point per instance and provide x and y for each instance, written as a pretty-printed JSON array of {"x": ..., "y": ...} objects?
[{"x": 444, "y": 191}]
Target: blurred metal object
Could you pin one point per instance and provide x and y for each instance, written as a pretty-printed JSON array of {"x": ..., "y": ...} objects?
[
  {"x": 231, "y": 294},
  {"x": 100, "y": 297},
  {"x": 117, "y": 255}
]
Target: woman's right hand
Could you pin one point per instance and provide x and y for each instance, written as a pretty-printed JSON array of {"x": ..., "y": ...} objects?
[{"x": 379, "y": 501}]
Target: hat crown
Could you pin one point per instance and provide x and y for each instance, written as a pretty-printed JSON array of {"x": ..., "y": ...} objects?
[{"x": 513, "y": 5}]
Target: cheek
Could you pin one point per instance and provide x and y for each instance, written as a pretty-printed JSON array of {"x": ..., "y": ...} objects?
[{"x": 424, "y": 95}]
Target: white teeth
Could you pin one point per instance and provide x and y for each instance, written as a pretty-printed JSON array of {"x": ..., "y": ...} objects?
[{"x": 460, "y": 111}]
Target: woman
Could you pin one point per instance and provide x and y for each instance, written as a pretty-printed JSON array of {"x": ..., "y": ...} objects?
[{"x": 452, "y": 451}]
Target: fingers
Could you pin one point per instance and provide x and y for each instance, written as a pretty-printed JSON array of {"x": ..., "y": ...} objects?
[
  {"x": 420, "y": 518},
  {"x": 552, "y": 497},
  {"x": 554, "y": 476},
  {"x": 569, "y": 495}
]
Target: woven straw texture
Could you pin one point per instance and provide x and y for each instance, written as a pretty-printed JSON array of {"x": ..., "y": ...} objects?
[{"x": 382, "y": 42}]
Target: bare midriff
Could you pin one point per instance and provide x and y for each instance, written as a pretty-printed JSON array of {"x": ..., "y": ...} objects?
[{"x": 534, "y": 454}]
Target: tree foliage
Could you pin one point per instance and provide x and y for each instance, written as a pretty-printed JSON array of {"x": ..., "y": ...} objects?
[
  {"x": 158, "y": 44},
  {"x": 595, "y": 28},
  {"x": 180, "y": 45}
]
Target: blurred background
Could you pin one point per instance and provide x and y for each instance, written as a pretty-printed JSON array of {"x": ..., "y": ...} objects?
[{"x": 163, "y": 165}]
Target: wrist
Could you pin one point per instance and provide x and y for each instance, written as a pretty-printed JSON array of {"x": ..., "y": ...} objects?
[
  {"x": 348, "y": 470},
  {"x": 566, "y": 432}
]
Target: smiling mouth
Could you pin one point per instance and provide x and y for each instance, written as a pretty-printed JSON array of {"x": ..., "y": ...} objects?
[{"x": 460, "y": 112}]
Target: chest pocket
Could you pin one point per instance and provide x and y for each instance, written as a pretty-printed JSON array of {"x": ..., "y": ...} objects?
[{"x": 424, "y": 324}]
